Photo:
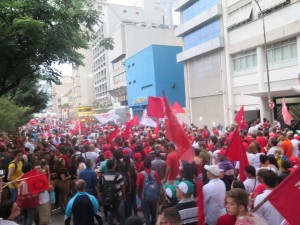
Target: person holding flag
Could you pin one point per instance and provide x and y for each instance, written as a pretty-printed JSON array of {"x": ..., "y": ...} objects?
[
  {"x": 14, "y": 172},
  {"x": 267, "y": 210}
]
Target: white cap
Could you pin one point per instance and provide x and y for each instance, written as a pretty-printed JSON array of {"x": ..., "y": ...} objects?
[{"x": 213, "y": 169}]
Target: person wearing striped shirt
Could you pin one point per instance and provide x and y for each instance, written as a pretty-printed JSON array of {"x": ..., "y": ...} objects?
[
  {"x": 118, "y": 210},
  {"x": 187, "y": 206}
]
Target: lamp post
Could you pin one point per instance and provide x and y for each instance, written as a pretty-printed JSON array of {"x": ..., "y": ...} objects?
[{"x": 267, "y": 65}]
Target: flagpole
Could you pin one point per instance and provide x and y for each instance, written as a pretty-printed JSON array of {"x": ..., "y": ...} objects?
[
  {"x": 19, "y": 179},
  {"x": 260, "y": 204}
]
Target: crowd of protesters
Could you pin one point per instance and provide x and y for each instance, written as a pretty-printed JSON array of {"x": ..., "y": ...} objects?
[{"x": 111, "y": 182}]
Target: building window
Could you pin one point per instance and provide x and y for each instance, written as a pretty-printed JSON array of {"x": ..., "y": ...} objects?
[
  {"x": 244, "y": 60},
  {"x": 119, "y": 78},
  {"x": 197, "y": 8},
  {"x": 282, "y": 51},
  {"x": 124, "y": 11},
  {"x": 204, "y": 34}
]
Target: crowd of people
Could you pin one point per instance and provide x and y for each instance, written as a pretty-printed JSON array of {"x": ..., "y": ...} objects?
[{"x": 93, "y": 179}]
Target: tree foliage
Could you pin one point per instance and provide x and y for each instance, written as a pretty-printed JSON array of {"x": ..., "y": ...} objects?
[
  {"x": 12, "y": 116},
  {"x": 36, "y": 33},
  {"x": 29, "y": 94}
]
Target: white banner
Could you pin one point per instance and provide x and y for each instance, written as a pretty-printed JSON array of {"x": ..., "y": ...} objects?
[
  {"x": 106, "y": 117},
  {"x": 147, "y": 121}
]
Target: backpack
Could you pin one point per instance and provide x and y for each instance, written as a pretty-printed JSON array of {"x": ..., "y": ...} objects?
[
  {"x": 109, "y": 191},
  {"x": 150, "y": 190},
  {"x": 123, "y": 170},
  {"x": 4, "y": 164}
]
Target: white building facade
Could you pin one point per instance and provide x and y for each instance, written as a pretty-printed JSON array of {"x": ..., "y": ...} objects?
[{"x": 224, "y": 58}]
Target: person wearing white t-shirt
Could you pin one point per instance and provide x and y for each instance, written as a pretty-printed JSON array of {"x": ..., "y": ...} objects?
[
  {"x": 295, "y": 143},
  {"x": 254, "y": 150},
  {"x": 273, "y": 144},
  {"x": 251, "y": 182},
  {"x": 92, "y": 155},
  {"x": 214, "y": 195},
  {"x": 267, "y": 210}
]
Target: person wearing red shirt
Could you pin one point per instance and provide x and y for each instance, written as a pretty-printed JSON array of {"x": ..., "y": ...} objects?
[
  {"x": 261, "y": 140},
  {"x": 147, "y": 148},
  {"x": 273, "y": 133},
  {"x": 60, "y": 155},
  {"x": 172, "y": 162},
  {"x": 148, "y": 207}
]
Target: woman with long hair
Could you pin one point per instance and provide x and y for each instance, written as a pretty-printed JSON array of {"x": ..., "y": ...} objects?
[
  {"x": 53, "y": 164},
  {"x": 63, "y": 184}
]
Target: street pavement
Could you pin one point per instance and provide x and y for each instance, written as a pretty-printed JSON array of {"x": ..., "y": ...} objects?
[{"x": 57, "y": 218}]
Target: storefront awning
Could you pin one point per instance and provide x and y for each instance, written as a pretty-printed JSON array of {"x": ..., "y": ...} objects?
[{"x": 292, "y": 91}]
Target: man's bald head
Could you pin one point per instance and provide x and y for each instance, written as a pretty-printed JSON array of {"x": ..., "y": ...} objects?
[
  {"x": 92, "y": 147},
  {"x": 80, "y": 185}
]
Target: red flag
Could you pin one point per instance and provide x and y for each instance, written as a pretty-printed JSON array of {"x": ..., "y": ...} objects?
[
  {"x": 235, "y": 151},
  {"x": 239, "y": 118},
  {"x": 175, "y": 133},
  {"x": 199, "y": 186},
  {"x": 287, "y": 117},
  {"x": 37, "y": 183},
  {"x": 183, "y": 125},
  {"x": 155, "y": 107},
  {"x": 113, "y": 135},
  {"x": 286, "y": 197},
  {"x": 177, "y": 108},
  {"x": 134, "y": 121},
  {"x": 31, "y": 173}
]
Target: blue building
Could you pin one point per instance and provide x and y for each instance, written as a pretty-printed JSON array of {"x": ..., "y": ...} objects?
[{"x": 151, "y": 71}]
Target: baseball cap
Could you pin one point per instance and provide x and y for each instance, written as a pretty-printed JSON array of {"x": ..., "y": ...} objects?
[
  {"x": 185, "y": 186},
  {"x": 221, "y": 152},
  {"x": 213, "y": 169},
  {"x": 170, "y": 190}
]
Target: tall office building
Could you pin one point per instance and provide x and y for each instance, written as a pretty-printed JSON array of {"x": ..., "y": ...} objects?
[
  {"x": 132, "y": 28},
  {"x": 225, "y": 63},
  {"x": 203, "y": 55}
]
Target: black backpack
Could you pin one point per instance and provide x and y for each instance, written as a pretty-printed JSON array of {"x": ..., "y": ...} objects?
[
  {"x": 4, "y": 163},
  {"x": 123, "y": 170},
  {"x": 109, "y": 192}
]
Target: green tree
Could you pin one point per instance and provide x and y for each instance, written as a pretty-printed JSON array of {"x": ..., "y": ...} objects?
[
  {"x": 36, "y": 33},
  {"x": 12, "y": 116},
  {"x": 29, "y": 94}
]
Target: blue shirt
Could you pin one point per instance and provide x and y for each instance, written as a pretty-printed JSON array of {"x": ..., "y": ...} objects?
[
  {"x": 83, "y": 207},
  {"x": 90, "y": 178}
]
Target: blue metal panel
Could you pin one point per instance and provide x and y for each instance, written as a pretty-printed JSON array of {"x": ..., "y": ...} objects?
[{"x": 152, "y": 70}]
